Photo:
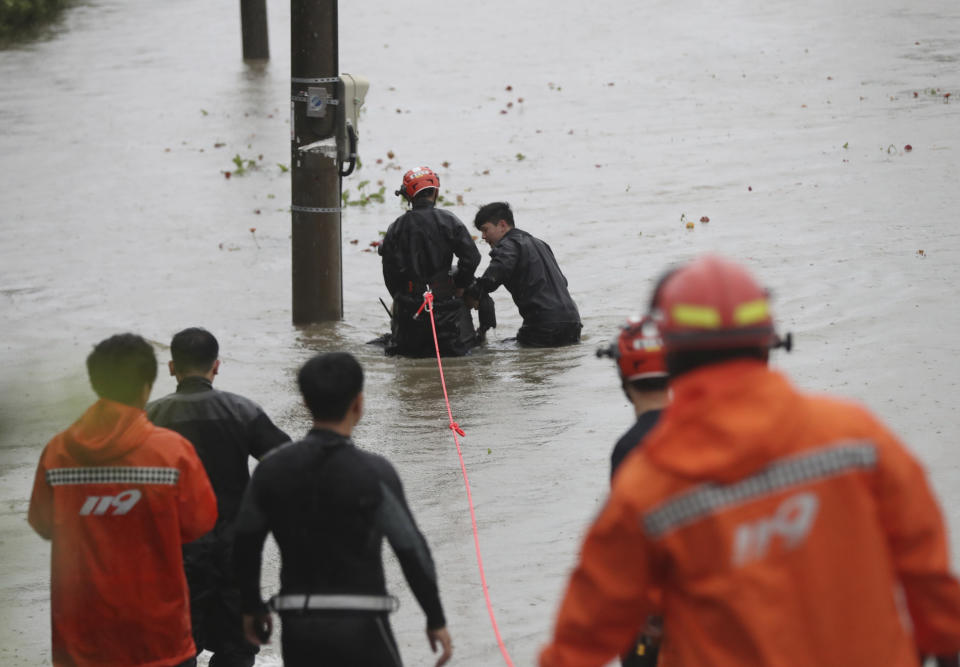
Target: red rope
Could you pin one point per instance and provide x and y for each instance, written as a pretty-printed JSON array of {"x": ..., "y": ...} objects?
[{"x": 455, "y": 427}]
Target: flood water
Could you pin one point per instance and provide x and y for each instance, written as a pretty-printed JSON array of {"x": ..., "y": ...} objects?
[{"x": 784, "y": 123}]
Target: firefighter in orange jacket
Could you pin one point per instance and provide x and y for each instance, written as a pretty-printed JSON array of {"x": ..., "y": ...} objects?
[
  {"x": 118, "y": 497},
  {"x": 783, "y": 529}
]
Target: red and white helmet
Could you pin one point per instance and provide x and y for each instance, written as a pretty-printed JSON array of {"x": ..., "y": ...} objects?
[
  {"x": 417, "y": 180},
  {"x": 713, "y": 303},
  {"x": 638, "y": 351}
]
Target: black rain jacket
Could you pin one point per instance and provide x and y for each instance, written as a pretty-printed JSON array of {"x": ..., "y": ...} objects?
[
  {"x": 329, "y": 505},
  {"x": 225, "y": 429},
  {"x": 419, "y": 247},
  {"x": 525, "y": 265}
]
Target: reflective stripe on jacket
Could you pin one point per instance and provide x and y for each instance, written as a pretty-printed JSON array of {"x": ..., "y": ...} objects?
[
  {"x": 118, "y": 497},
  {"x": 782, "y": 529}
]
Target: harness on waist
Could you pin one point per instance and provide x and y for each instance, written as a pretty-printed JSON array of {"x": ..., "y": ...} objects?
[
  {"x": 440, "y": 283},
  {"x": 316, "y": 602}
]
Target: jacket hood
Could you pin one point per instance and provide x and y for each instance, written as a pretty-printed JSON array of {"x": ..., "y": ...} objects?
[
  {"x": 726, "y": 421},
  {"x": 106, "y": 431}
]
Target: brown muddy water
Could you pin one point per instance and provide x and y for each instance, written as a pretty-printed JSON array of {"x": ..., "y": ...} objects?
[{"x": 784, "y": 123}]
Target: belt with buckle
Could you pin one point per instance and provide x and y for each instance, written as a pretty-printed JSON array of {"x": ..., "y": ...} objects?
[{"x": 295, "y": 602}]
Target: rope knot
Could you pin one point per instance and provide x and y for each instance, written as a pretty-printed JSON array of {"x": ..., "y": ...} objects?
[
  {"x": 427, "y": 303},
  {"x": 454, "y": 426}
]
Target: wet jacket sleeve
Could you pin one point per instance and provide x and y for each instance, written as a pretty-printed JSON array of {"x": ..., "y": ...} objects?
[
  {"x": 197, "y": 502},
  {"x": 251, "y": 532},
  {"x": 468, "y": 256},
  {"x": 394, "y": 519},
  {"x": 40, "y": 514},
  {"x": 264, "y": 435},
  {"x": 607, "y": 595},
  {"x": 392, "y": 271},
  {"x": 503, "y": 262},
  {"x": 917, "y": 539}
]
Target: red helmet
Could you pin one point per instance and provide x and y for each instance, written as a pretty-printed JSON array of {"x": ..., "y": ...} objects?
[
  {"x": 417, "y": 180},
  {"x": 639, "y": 351},
  {"x": 713, "y": 303}
]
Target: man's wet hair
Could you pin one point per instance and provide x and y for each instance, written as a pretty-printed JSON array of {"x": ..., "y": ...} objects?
[
  {"x": 194, "y": 350},
  {"x": 493, "y": 212},
  {"x": 120, "y": 366},
  {"x": 329, "y": 382}
]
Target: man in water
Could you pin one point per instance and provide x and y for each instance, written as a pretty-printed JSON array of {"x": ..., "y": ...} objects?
[
  {"x": 417, "y": 251},
  {"x": 525, "y": 265}
]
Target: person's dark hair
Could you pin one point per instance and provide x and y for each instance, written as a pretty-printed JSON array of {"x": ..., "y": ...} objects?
[
  {"x": 684, "y": 361},
  {"x": 493, "y": 212},
  {"x": 194, "y": 350},
  {"x": 329, "y": 382},
  {"x": 427, "y": 194},
  {"x": 119, "y": 367}
]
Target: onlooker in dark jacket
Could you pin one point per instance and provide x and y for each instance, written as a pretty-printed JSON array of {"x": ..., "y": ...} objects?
[{"x": 226, "y": 430}]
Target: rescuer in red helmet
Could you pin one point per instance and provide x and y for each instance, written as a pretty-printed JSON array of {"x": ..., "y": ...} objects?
[
  {"x": 638, "y": 352},
  {"x": 781, "y": 528},
  {"x": 417, "y": 252}
]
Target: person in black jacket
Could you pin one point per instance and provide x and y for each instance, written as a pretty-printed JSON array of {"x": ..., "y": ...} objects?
[
  {"x": 417, "y": 252},
  {"x": 226, "y": 430},
  {"x": 525, "y": 265},
  {"x": 329, "y": 505}
]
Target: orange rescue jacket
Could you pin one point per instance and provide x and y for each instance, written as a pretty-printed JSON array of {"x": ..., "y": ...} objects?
[
  {"x": 783, "y": 529},
  {"x": 118, "y": 497}
]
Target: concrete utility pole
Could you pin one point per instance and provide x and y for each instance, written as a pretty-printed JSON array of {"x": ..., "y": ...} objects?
[
  {"x": 253, "y": 28},
  {"x": 314, "y": 68}
]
